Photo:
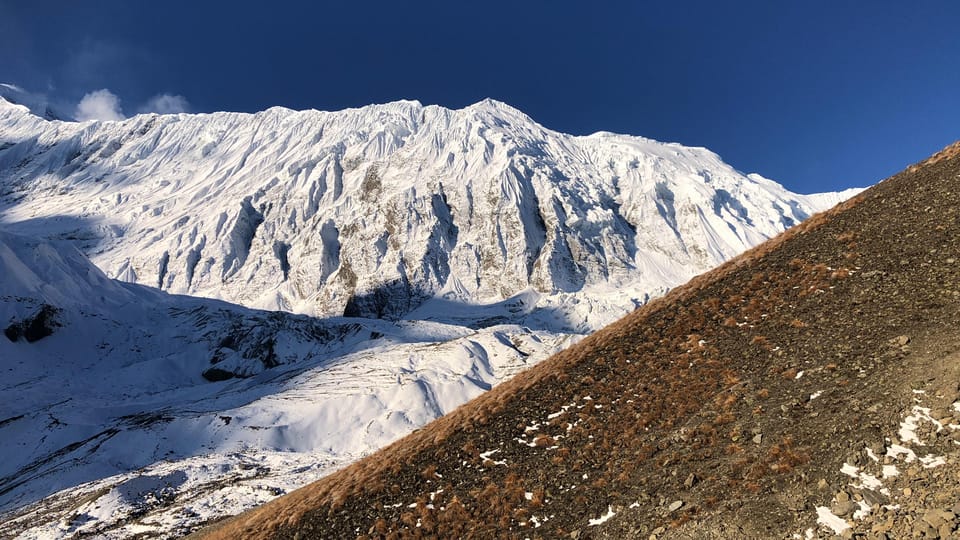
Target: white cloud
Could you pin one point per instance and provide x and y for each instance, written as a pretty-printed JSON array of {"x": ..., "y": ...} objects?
[
  {"x": 166, "y": 104},
  {"x": 99, "y": 105}
]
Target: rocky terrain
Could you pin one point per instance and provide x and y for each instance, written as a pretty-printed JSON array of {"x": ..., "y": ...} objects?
[{"x": 806, "y": 389}]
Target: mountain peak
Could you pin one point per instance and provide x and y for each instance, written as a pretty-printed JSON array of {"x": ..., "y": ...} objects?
[
  {"x": 491, "y": 104},
  {"x": 37, "y": 104},
  {"x": 499, "y": 109}
]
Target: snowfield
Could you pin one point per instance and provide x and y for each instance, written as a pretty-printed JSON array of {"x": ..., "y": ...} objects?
[{"x": 273, "y": 296}]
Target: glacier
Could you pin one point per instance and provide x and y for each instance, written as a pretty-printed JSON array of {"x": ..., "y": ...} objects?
[{"x": 241, "y": 303}]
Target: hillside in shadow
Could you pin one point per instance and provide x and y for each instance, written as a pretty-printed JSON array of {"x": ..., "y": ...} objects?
[{"x": 808, "y": 387}]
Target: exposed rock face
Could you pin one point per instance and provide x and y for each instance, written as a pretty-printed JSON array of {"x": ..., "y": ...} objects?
[
  {"x": 35, "y": 327},
  {"x": 370, "y": 211}
]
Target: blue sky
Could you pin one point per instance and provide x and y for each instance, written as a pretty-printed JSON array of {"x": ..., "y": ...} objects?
[{"x": 817, "y": 95}]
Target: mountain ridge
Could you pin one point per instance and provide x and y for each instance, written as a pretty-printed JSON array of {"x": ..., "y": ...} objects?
[{"x": 317, "y": 210}]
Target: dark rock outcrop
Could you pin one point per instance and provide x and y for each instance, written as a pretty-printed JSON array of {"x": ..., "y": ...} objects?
[{"x": 35, "y": 327}]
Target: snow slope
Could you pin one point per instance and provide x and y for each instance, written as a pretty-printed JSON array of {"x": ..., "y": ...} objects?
[
  {"x": 119, "y": 386},
  {"x": 464, "y": 245}
]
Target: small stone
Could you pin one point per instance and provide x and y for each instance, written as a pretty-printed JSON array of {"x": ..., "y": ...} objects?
[
  {"x": 900, "y": 340},
  {"x": 883, "y": 527},
  {"x": 674, "y": 506},
  {"x": 844, "y": 508},
  {"x": 946, "y": 530},
  {"x": 907, "y": 492},
  {"x": 575, "y": 534},
  {"x": 874, "y": 497},
  {"x": 937, "y": 517},
  {"x": 690, "y": 481},
  {"x": 924, "y": 530},
  {"x": 842, "y": 496},
  {"x": 822, "y": 484},
  {"x": 758, "y": 438}
]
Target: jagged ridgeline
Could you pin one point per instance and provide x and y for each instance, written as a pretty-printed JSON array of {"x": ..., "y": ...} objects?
[
  {"x": 760, "y": 400},
  {"x": 370, "y": 211}
]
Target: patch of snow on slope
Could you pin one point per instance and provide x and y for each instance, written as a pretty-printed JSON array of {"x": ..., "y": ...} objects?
[
  {"x": 828, "y": 519},
  {"x": 602, "y": 519}
]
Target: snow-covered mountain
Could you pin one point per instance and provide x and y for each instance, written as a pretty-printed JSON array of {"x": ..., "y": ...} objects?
[
  {"x": 371, "y": 211},
  {"x": 464, "y": 245},
  {"x": 36, "y": 104}
]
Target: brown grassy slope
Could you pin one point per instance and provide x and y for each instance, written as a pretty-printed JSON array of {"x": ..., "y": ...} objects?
[{"x": 667, "y": 403}]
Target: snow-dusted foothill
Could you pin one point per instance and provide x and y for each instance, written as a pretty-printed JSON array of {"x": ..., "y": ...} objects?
[{"x": 219, "y": 406}]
